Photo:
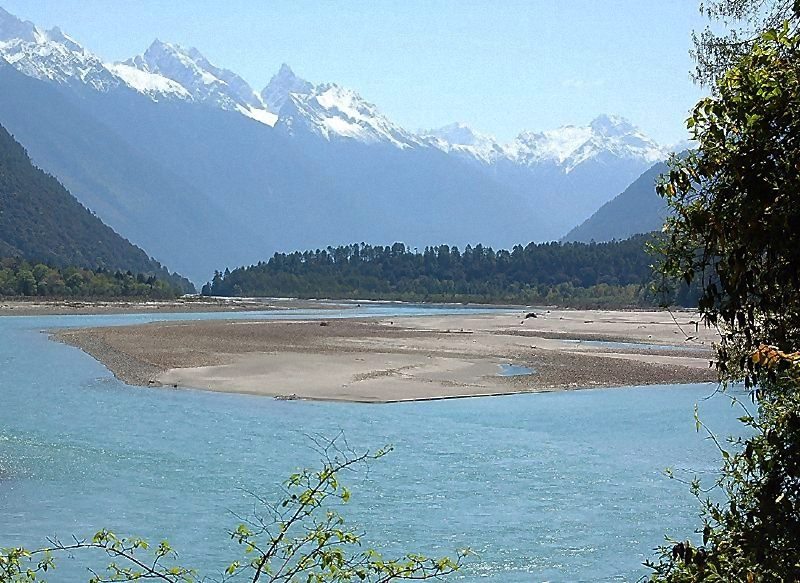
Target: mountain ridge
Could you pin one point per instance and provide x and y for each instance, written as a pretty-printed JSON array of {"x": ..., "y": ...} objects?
[
  {"x": 205, "y": 172},
  {"x": 194, "y": 77},
  {"x": 41, "y": 221},
  {"x": 132, "y": 191}
]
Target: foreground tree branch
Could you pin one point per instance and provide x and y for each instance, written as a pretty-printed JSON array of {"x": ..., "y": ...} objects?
[{"x": 735, "y": 233}]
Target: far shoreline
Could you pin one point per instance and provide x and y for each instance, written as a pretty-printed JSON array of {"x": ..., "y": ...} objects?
[
  {"x": 43, "y": 306},
  {"x": 195, "y": 303}
]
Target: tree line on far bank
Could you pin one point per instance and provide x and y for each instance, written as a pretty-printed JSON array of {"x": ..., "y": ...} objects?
[
  {"x": 612, "y": 274},
  {"x": 20, "y": 278}
]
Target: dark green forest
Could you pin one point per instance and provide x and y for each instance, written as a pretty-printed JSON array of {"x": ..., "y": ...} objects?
[
  {"x": 21, "y": 278},
  {"x": 579, "y": 274},
  {"x": 41, "y": 222}
]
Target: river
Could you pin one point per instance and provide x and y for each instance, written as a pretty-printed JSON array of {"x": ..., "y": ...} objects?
[{"x": 562, "y": 486}]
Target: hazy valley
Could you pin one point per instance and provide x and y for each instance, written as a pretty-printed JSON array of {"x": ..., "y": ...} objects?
[{"x": 185, "y": 159}]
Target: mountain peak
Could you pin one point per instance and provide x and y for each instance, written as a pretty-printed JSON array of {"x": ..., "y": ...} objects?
[
  {"x": 157, "y": 45},
  {"x": 56, "y": 35},
  {"x": 461, "y": 139},
  {"x": 281, "y": 85},
  {"x": 615, "y": 135},
  {"x": 334, "y": 112},
  {"x": 612, "y": 125},
  {"x": 204, "y": 81},
  {"x": 285, "y": 71},
  {"x": 160, "y": 45},
  {"x": 51, "y": 56},
  {"x": 458, "y": 134},
  {"x": 565, "y": 147},
  {"x": 12, "y": 28},
  {"x": 159, "y": 53},
  {"x": 570, "y": 146}
]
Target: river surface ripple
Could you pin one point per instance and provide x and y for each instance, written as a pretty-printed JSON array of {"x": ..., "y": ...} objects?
[{"x": 563, "y": 486}]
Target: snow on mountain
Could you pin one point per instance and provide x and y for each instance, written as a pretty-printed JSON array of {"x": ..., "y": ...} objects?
[
  {"x": 200, "y": 79},
  {"x": 169, "y": 71},
  {"x": 151, "y": 84},
  {"x": 330, "y": 111},
  {"x": 51, "y": 55},
  {"x": 616, "y": 136},
  {"x": 54, "y": 56},
  {"x": 682, "y": 145},
  {"x": 259, "y": 114},
  {"x": 462, "y": 140},
  {"x": 566, "y": 147},
  {"x": 282, "y": 84},
  {"x": 531, "y": 148},
  {"x": 12, "y": 27},
  {"x": 334, "y": 112},
  {"x": 164, "y": 71}
]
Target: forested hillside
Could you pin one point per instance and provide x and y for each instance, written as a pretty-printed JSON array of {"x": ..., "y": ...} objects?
[
  {"x": 569, "y": 274},
  {"x": 41, "y": 222},
  {"x": 638, "y": 209}
]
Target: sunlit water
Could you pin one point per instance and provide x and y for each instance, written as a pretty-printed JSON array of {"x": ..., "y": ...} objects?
[
  {"x": 514, "y": 370},
  {"x": 635, "y": 345},
  {"x": 562, "y": 486}
]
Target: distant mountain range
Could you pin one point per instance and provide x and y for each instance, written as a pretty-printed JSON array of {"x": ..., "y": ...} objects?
[
  {"x": 40, "y": 221},
  {"x": 186, "y": 159}
]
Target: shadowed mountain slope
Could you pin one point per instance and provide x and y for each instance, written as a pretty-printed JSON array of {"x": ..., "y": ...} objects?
[
  {"x": 638, "y": 209},
  {"x": 41, "y": 221}
]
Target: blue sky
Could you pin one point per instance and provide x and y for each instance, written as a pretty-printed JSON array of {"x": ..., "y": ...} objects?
[{"x": 499, "y": 66}]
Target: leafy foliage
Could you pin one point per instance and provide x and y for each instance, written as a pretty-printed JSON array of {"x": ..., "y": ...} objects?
[
  {"x": 40, "y": 221},
  {"x": 601, "y": 274},
  {"x": 20, "y": 278},
  {"x": 735, "y": 231},
  {"x": 754, "y": 533},
  {"x": 737, "y": 220},
  {"x": 743, "y": 22},
  {"x": 302, "y": 537}
]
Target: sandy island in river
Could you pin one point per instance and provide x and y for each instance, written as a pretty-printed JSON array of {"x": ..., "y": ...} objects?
[{"x": 406, "y": 358}]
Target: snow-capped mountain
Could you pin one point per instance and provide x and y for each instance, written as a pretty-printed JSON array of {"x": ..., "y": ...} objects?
[
  {"x": 549, "y": 146},
  {"x": 163, "y": 71},
  {"x": 54, "y": 56},
  {"x": 617, "y": 137},
  {"x": 151, "y": 84},
  {"x": 332, "y": 112},
  {"x": 566, "y": 147},
  {"x": 51, "y": 55},
  {"x": 282, "y": 84},
  {"x": 203, "y": 81},
  {"x": 170, "y": 71},
  {"x": 460, "y": 139},
  {"x": 128, "y": 148}
]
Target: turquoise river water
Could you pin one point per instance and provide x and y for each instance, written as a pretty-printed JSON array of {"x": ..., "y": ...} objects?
[{"x": 563, "y": 486}]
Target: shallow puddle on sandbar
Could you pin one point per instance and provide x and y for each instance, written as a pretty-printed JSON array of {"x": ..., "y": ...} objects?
[
  {"x": 514, "y": 370},
  {"x": 633, "y": 345}
]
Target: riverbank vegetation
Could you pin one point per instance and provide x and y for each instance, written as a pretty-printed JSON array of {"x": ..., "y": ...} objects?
[
  {"x": 42, "y": 223},
  {"x": 736, "y": 232},
  {"x": 614, "y": 274},
  {"x": 20, "y": 278}
]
